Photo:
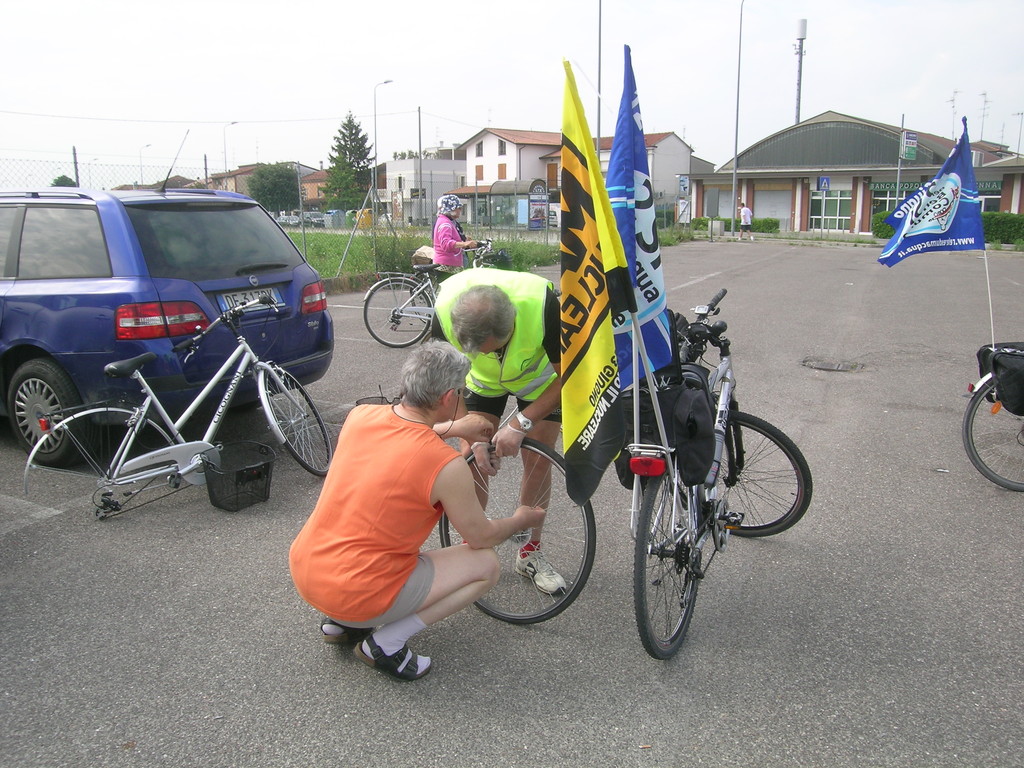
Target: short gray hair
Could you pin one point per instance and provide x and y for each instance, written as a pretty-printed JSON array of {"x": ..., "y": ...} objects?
[
  {"x": 479, "y": 313},
  {"x": 431, "y": 370}
]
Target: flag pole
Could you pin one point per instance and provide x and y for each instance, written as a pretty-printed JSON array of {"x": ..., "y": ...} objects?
[{"x": 988, "y": 285}]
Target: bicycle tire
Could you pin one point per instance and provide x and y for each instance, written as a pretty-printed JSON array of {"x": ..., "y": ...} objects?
[
  {"x": 665, "y": 580},
  {"x": 994, "y": 441},
  {"x": 764, "y": 475},
  {"x": 382, "y": 312},
  {"x": 295, "y": 420},
  {"x": 568, "y": 538}
]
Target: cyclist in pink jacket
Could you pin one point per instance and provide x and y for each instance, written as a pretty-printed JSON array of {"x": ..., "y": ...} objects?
[{"x": 449, "y": 240}]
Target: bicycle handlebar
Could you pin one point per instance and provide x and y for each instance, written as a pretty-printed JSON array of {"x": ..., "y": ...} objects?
[
  {"x": 227, "y": 317},
  {"x": 699, "y": 333}
]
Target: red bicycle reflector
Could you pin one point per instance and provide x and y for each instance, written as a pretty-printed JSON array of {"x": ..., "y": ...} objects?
[
  {"x": 647, "y": 466},
  {"x": 44, "y": 424}
]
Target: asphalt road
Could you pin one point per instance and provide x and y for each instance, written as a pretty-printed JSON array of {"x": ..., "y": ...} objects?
[{"x": 883, "y": 630}]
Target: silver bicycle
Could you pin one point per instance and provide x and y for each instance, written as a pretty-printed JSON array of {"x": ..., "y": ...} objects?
[
  {"x": 399, "y": 308},
  {"x": 126, "y": 450},
  {"x": 758, "y": 484}
]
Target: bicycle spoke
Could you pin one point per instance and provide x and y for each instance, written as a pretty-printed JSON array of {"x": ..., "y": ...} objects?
[
  {"x": 535, "y": 478},
  {"x": 290, "y": 409}
]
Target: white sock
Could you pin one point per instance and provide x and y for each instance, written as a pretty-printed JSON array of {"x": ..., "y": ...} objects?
[{"x": 391, "y": 637}]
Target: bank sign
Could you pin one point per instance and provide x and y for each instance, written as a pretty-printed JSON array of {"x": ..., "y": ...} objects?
[{"x": 994, "y": 186}]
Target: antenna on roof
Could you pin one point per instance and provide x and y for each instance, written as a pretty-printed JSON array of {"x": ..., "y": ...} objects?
[{"x": 163, "y": 187}]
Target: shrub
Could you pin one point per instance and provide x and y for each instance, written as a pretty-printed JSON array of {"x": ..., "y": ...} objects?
[
  {"x": 768, "y": 226},
  {"x": 878, "y": 226},
  {"x": 1002, "y": 227}
]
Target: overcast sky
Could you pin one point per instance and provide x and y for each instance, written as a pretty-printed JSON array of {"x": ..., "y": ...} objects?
[{"x": 121, "y": 79}]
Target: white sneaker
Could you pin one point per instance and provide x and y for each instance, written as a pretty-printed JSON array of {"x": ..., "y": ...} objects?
[{"x": 533, "y": 565}]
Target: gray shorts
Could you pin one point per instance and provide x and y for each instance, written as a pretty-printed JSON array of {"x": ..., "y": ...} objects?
[{"x": 409, "y": 599}]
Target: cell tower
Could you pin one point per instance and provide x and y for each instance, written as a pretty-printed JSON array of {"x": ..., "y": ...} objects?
[{"x": 801, "y": 35}]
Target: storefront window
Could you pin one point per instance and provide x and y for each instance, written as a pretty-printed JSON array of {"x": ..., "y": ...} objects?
[{"x": 838, "y": 204}]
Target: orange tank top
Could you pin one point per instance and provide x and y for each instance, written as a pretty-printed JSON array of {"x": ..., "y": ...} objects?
[{"x": 360, "y": 545}]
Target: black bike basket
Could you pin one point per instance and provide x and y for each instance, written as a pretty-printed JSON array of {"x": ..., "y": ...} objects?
[{"x": 243, "y": 477}]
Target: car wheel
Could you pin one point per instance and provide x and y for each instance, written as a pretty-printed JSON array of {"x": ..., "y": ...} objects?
[{"x": 40, "y": 387}]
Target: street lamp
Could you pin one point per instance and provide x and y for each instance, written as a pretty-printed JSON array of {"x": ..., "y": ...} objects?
[
  {"x": 736, "y": 134},
  {"x": 1019, "y": 128},
  {"x": 374, "y": 180},
  {"x": 145, "y": 146},
  {"x": 224, "y": 137}
]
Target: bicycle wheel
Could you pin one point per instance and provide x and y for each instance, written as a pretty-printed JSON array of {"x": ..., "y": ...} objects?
[
  {"x": 994, "y": 441},
  {"x": 94, "y": 436},
  {"x": 764, "y": 476},
  {"x": 395, "y": 313},
  {"x": 536, "y": 478},
  {"x": 295, "y": 420},
  {"x": 665, "y": 570}
]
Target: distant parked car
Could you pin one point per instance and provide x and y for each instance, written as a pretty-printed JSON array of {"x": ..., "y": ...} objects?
[
  {"x": 288, "y": 221},
  {"x": 313, "y": 219},
  {"x": 92, "y": 277}
]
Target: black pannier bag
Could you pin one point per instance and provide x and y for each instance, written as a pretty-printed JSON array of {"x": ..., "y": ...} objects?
[
  {"x": 1008, "y": 369},
  {"x": 688, "y": 411}
]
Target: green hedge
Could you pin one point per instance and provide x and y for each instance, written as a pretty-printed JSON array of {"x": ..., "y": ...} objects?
[
  {"x": 878, "y": 226},
  {"x": 999, "y": 227},
  {"x": 1003, "y": 227},
  {"x": 768, "y": 226}
]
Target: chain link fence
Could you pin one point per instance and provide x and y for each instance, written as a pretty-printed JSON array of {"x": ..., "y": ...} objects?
[
  {"x": 21, "y": 174},
  {"x": 378, "y": 236}
]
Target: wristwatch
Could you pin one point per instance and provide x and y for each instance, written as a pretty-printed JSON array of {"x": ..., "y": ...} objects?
[{"x": 525, "y": 423}]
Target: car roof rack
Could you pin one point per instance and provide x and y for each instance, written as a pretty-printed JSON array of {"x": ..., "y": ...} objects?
[{"x": 47, "y": 193}]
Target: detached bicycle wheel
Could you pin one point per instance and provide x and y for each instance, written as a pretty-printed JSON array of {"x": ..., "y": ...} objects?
[
  {"x": 994, "y": 439},
  {"x": 665, "y": 570},
  {"x": 764, "y": 476},
  {"x": 395, "y": 313},
  {"x": 295, "y": 420},
  {"x": 568, "y": 540}
]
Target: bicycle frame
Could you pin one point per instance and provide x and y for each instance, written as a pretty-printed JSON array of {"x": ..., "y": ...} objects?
[{"x": 185, "y": 456}]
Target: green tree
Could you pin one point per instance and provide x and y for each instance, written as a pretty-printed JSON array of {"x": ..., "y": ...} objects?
[
  {"x": 348, "y": 177},
  {"x": 275, "y": 187},
  {"x": 62, "y": 181}
]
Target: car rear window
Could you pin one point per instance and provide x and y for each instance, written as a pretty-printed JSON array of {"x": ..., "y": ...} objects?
[
  {"x": 210, "y": 240},
  {"x": 62, "y": 243}
]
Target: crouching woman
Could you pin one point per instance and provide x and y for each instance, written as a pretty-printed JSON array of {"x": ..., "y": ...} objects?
[{"x": 358, "y": 558}]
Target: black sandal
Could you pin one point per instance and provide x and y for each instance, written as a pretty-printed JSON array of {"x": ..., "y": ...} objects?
[
  {"x": 403, "y": 665},
  {"x": 347, "y": 635}
]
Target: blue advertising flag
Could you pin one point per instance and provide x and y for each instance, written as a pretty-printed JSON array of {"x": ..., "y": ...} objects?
[
  {"x": 632, "y": 198},
  {"x": 943, "y": 215}
]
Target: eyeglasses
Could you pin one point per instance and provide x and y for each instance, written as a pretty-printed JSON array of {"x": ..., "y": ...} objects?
[{"x": 459, "y": 391}]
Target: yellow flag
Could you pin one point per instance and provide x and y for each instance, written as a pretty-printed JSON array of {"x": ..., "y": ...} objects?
[{"x": 595, "y": 285}]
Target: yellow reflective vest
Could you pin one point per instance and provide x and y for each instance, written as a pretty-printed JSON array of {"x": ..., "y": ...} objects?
[{"x": 523, "y": 369}]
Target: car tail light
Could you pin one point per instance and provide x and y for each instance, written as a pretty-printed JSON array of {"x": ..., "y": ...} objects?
[
  {"x": 314, "y": 298},
  {"x": 158, "y": 320},
  {"x": 647, "y": 466}
]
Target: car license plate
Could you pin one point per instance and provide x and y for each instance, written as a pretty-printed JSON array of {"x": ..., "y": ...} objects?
[{"x": 233, "y": 299}]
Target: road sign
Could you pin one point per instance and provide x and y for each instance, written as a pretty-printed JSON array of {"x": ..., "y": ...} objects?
[
  {"x": 823, "y": 183},
  {"x": 908, "y": 145}
]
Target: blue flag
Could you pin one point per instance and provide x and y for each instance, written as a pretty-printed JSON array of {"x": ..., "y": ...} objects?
[
  {"x": 632, "y": 199},
  {"x": 943, "y": 215}
]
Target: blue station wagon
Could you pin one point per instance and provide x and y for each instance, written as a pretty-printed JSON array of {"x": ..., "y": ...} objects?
[{"x": 91, "y": 277}]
